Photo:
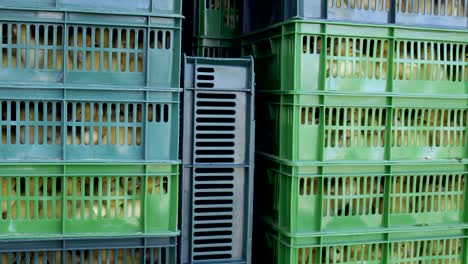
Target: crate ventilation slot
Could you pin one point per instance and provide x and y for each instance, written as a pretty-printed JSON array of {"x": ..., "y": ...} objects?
[
  {"x": 215, "y": 126},
  {"x": 213, "y": 206}
]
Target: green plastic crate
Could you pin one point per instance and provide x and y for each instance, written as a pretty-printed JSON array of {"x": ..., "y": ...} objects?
[
  {"x": 305, "y": 200},
  {"x": 144, "y": 7},
  {"x": 45, "y": 200},
  {"x": 430, "y": 246},
  {"x": 113, "y": 51},
  {"x": 54, "y": 125},
  {"x": 327, "y": 56},
  {"x": 218, "y": 19},
  {"x": 345, "y": 127},
  {"x": 217, "y": 48},
  {"x": 80, "y": 251}
]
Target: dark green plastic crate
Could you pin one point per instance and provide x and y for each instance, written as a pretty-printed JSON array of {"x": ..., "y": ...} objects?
[
  {"x": 217, "y": 48},
  {"x": 219, "y": 19},
  {"x": 159, "y": 7},
  {"x": 331, "y": 127},
  {"x": 51, "y": 128},
  {"x": 116, "y": 250},
  {"x": 47, "y": 200},
  {"x": 260, "y": 14},
  {"x": 156, "y": 63},
  {"x": 305, "y": 200},
  {"x": 428, "y": 246},
  {"x": 291, "y": 57}
]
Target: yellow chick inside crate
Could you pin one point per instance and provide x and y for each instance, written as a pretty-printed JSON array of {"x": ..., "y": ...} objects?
[
  {"x": 441, "y": 7},
  {"x": 79, "y": 131},
  {"x": 361, "y": 4},
  {"x": 39, "y": 48}
]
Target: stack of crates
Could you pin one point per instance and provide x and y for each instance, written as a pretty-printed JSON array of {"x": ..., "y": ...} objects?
[
  {"x": 218, "y": 144},
  {"x": 213, "y": 28},
  {"x": 362, "y": 123},
  {"x": 89, "y": 109}
]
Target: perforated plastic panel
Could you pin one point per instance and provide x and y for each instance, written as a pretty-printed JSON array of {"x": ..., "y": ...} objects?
[{"x": 218, "y": 160}]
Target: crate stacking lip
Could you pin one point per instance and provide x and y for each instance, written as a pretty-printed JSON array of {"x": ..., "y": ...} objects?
[
  {"x": 217, "y": 48},
  {"x": 88, "y": 125},
  {"x": 305, "y": 200},
  {"x": 218, "y": 160},
  {"x": 326, "y": 56},
  {"x": 428, "y": 13},
  {"x": 47, "y": 200},
  {"x": 114, "y": 250},
  {"x": 333, "y": 127},
  {"x": 126, "y": 7},
  {"x": 428, "y": 246},
  {"x": 112, "y": 50}
]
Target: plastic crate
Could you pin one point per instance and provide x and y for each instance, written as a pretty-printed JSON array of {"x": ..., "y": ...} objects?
[
  {"x": 353, "y": 127},
  {"x": 108, "y": 50},
  {"x": 218, "y": 161},
  {"x": 306, "y": 200},
  {"x": 359, "y": 58},
  {"x": 88, "y": 125},
  {"x": 218, "y": 19},
  {"x": 260, "y": 14},
  {"x": 431, "y": 246},
  {"x": 217, "y": 48},
  {"x": 47, "y": 200},
  {"x": 80, "y": 251},
  {"x": 148, "y": 7}
]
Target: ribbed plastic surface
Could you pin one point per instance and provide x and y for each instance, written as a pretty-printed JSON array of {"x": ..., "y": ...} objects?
[{"x": 218, "y": 160}]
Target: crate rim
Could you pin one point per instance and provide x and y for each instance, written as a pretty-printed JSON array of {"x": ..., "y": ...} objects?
[
  {"x": 355, "y": 94},
  {"x": 345, "y": 23},
  {"x": 344, "y": 233},
  {"x": 288, "y": 162},
  {"x": 94, "y": 11}
]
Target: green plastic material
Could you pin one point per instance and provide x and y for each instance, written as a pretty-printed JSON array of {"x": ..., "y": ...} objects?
[
  {"x": 88, "y": 200},
  {"x": 311, "y": 200},
  {"x": 428, "y": 246},
  {"x": 55, "y": 125},
  {"x": 359, "y": 58},
  {"x": 148, "y": 7},
  {"x": 108, "y": 50},
  {"x": 218, "y": 19},
  {"x": 334, "y": 127},
  {"x": 217, "y": 48}
]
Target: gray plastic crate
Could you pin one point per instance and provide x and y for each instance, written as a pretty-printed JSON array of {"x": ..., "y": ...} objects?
[
  {"x": 75, "y": 125},
  {"x": 218, "y": 146},
  {"x": 432, "y": 13},
  {"x": 161, "y": 250}
]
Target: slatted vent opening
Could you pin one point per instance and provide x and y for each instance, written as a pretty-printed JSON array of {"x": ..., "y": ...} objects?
[
  {"x": 213, "y": 208},
  {"x": 215, "y": 127}
]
